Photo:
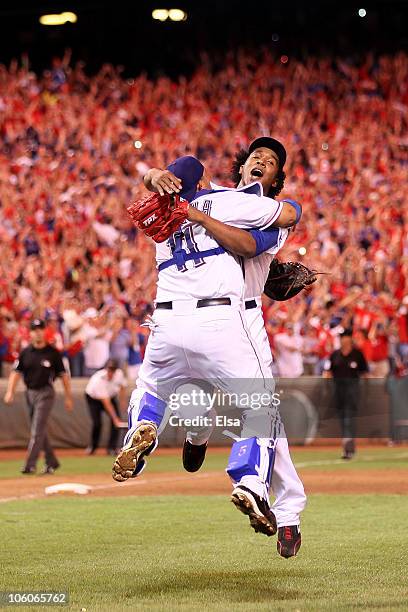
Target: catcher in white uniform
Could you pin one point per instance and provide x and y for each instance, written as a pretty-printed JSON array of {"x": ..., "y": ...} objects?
[
  {"x": 286, "y": 485},
  {"x": 199, "y": 332}
]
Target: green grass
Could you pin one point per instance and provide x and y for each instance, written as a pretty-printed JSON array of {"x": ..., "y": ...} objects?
[
  {"x": 190, "y": 553},
  {"x": 327, "y": 459}
]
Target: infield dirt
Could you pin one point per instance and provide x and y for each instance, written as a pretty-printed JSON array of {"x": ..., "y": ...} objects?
[{"x": 316, "y": 480}]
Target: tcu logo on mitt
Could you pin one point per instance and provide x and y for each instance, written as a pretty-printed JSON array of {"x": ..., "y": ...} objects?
[{"x": 150, "y": 220}]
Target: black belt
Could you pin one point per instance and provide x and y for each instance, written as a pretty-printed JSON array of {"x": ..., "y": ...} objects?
[
  {"x": 200, "y": 303},
  {"x": 250, "y": 304}
]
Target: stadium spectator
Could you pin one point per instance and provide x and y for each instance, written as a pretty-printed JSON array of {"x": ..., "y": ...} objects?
[
  {"x": 3, "y": 347},
  {"x": 96, "y": 337},
  {"x": 288, "y": 352},
  {"x": 378, "y": 362},
  {"x": 53, "y": 335},
  {"x": 402, "y": 331},
  {"x": 73, "y": 329},
  {"x": 102, "y": 393},
  {"x": 121, "y": 341}
]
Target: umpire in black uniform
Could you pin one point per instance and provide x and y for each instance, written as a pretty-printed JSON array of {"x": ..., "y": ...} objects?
[
  {"x": 345, "y": 366},
  {"x": 39, "y": 363}
]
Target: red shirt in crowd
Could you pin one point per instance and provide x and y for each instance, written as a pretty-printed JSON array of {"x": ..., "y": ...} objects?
[{"x": 379, "y": 348}]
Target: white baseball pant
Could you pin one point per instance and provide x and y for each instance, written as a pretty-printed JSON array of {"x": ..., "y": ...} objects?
[
  {"x": 290, "y": 498},
  {"x": 211, "y": 344}
]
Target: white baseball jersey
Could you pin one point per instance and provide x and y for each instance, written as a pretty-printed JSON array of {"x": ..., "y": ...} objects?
[
  {"x": 218, "y": 275},
  {"x": 257, "y": 268}
]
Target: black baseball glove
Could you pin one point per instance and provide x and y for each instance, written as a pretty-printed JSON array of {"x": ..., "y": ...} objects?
[{"x": 287, "y": 279}]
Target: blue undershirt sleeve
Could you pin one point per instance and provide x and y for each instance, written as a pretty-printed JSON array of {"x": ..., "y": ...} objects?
[{"x": 265, "y": 239}]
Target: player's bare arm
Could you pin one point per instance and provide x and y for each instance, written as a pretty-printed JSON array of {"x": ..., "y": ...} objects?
[
  {"x": 162, "y": 181},
  {"x": 288, "y": 216},
  {"x": 238, "y": 241}
]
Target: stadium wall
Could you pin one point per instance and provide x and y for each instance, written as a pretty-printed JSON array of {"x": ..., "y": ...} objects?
[{"x": 306, "y": 406}]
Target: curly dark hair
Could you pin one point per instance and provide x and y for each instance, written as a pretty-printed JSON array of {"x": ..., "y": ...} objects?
[{"x": 240, "y": 160}]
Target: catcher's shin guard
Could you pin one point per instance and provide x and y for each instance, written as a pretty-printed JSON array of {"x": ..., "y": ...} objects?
[
  {"x": 144, "y": 406},
  {"x": 251, "y": 462},
  {"x": 250, "y": 466}
]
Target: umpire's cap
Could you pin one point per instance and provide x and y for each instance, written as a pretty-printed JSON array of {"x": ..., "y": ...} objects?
[
  {"x": 190, "y": 171},
  {"x": 273, "y": 145},
  {"x": 37, "y": 324}
]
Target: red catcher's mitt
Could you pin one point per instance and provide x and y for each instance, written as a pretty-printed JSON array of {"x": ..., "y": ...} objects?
[{"x": 158, "y": 216}]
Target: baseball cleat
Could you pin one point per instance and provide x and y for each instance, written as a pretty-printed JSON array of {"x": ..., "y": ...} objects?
[
  {"x": 193, "y": 456},
  {"x": 141, "y": 464},
  {"x": 141, "y": 442},
  {"x": 289, "y": 541},
  {"x": 261, "y": 517}
]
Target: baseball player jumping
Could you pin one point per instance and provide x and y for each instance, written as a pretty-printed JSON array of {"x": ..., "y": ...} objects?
[
  {"x": 258, "y": 248},
  {"x": 198, "y": 330}
]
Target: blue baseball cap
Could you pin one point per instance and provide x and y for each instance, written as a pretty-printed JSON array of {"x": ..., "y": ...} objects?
[{"x": 190, "y": 171}]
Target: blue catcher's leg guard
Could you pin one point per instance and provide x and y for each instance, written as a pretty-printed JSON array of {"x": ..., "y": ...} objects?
[
  {"x": 145, "y": 415},
  {"x": 144, "y": 406},
  {"x": 251, "y": 464}
]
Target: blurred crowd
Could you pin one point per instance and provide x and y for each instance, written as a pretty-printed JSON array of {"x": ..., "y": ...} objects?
[{"x": 73, "y": 152}]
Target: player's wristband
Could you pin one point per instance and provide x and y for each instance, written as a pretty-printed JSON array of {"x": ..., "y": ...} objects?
[
  {"x": 265, "y": 239},
  {"x": 296, "y": 206}
]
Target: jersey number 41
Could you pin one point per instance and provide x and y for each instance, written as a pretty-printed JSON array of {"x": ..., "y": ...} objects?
[{"x": 184, "y": 237}]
